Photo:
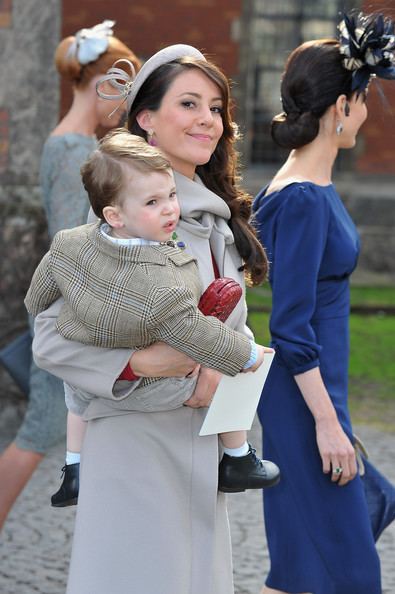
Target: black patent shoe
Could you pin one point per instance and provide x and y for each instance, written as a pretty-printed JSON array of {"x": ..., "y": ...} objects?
[
  {"x": 237, "y": 474},
  {"x": 68, "y": 492}
]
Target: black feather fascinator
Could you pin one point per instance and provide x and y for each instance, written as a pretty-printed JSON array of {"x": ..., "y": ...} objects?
[{"x": 367, "y": 44}]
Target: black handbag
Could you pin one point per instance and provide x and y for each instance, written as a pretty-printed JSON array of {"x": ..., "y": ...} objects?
[
  {"x": 16, "y": 358},
  {"x": 379, "y": 492}
]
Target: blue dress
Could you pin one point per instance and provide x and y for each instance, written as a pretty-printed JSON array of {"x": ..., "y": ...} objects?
[{"x": 319, "y": 535}]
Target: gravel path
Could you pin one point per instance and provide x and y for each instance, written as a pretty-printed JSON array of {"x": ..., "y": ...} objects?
[{"x": 35, "y": 542}]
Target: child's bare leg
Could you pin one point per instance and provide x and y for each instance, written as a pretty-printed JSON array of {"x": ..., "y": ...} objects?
[
  {"x": 235, "y": 443},
  {"x": 76, "y": 428}
]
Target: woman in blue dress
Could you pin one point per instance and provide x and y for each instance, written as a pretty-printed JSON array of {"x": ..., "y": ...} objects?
[{"x": 317, "y": 523}]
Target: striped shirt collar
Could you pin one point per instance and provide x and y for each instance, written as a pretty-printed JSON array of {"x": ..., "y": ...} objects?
[{"x": 128, "y": 241}]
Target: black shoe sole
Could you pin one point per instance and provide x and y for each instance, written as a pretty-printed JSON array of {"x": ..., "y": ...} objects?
[
  {"x": 240, "y": 490},
  {"x": 66, "y": 503}
]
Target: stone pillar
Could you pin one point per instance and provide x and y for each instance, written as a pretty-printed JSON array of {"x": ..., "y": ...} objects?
[{"x": 29, "y": 100}]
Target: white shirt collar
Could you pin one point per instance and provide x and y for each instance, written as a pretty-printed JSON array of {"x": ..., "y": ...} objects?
[{"x": 128, "y": 241}]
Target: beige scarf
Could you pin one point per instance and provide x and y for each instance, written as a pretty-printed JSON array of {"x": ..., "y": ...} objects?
[{"x": 203, "y": 227}]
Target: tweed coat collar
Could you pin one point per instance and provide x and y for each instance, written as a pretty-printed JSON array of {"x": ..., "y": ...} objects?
[{"x": 154, "y": 254}]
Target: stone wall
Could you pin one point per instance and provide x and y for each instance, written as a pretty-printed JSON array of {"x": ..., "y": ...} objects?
[
  {"x": 378, "y": 132},
  {"x": 29, "y": 106},
  {"x": 371, "y": 203},
  {"x": 148, "y": 25}
]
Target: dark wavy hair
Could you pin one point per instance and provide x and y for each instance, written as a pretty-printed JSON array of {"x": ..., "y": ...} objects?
[
  {"x": 314, "y": 78},
  {"x": 220, "y": 174}
]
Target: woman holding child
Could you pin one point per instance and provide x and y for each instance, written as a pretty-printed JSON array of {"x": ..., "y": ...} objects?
[{"x": 147, "y": 477}]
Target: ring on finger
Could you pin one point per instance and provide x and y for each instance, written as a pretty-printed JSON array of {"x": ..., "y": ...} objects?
[{"x": 338, "y": 470}]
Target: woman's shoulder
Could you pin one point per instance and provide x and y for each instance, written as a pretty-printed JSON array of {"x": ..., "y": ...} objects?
[
  {"x": 69, "y": 142},
  {"x": 64, "y": 154},
  {"x": 297, "y": 193}
]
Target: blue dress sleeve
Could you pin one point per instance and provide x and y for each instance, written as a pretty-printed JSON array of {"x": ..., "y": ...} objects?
[{"x": 299, "y": 242}]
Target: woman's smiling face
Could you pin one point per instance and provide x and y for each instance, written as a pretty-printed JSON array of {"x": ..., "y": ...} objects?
[{"x": 188, "y": 124}]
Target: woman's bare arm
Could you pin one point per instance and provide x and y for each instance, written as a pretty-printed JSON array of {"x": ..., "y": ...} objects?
[
  {"x": 334, "y": 446},
  {"x": 161, "y": 360}
]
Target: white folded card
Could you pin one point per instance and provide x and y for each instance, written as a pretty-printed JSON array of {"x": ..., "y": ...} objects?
[{"x": 235, "y": 401}]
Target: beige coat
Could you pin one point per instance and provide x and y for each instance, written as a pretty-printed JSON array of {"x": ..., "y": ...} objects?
[{"x": 150, "y": 519}]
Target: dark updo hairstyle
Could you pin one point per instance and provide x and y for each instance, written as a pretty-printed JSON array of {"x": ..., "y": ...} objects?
[
  {"x": 314, "y": 78},
  {"x": 220, "y": 174}
]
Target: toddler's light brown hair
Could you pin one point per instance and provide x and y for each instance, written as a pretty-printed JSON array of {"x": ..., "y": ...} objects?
[{"x": 103, "y": 173}]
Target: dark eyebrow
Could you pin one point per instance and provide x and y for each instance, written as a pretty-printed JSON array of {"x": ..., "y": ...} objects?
[{"x": 198, "y": 96}]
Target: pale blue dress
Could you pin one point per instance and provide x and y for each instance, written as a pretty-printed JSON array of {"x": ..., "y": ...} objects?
[{"x": 66, "y": 205}]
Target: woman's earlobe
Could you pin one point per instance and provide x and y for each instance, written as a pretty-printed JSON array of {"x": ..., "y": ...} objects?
[
  {"x": 339, "y": 106},
  {"x": 144, "y": 119}
]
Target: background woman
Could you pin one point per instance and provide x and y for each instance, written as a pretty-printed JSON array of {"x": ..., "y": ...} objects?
[
  {"x": 148, "y": 475},
  {"x": 317, "y": 524},
  {"x": 81, "y": 59}
]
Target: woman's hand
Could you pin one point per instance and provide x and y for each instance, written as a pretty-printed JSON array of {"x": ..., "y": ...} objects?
[
  {"x": 334, "y": 446},
  {"x": 205, "y": 388},
  {"x": 336, "y": 451},
  {"x": 161, "y": 360}
]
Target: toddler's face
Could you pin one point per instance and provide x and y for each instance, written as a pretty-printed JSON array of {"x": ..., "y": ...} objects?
[{"x": 148, "y": 206}]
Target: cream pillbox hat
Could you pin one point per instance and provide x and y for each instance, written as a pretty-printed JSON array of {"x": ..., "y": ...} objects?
[{"x": 132, "y": 84}]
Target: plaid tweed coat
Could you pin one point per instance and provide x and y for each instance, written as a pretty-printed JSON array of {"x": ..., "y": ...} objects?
[{"x": 131, "y": 296}]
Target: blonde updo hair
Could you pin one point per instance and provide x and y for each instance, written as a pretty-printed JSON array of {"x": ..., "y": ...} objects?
[{"x": 81, "y": 75}]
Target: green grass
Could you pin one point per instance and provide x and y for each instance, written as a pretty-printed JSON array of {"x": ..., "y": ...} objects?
[
  {"x": 259, "y": 324},
  {"x": 372, "y": 369},
  {"x": 372, "y": 357},
  {"x": 372, "y": 295},
  {"x": 261, "y": 296}
]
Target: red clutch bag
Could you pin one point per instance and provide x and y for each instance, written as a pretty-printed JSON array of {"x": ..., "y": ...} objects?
[{"x": 220, "y": 298}]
